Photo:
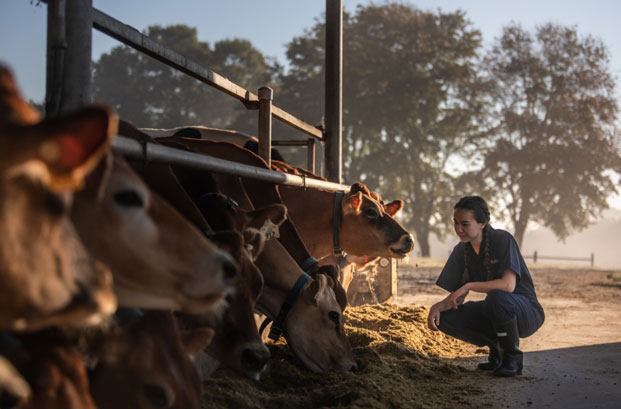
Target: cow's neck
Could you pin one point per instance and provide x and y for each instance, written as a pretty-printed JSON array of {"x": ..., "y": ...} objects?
[
  {"x": 280, "y": 272},
  {"x": 314, "y": 221}
]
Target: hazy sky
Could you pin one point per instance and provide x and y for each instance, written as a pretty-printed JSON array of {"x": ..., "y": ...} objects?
[{"x": 270, "y": 24}]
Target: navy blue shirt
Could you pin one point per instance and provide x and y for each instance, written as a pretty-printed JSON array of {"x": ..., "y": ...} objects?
[{"x": 503, "y": 254}]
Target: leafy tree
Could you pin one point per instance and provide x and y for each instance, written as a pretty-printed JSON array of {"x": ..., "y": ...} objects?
[
  {"x": 410, "y": 100},
  {"x": 554, "y": 119},
  {"x": 151, "y": 94}
]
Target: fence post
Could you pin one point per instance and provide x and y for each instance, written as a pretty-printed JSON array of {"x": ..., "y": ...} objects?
[
  {"x": 535, "y": 257},
  {"x": 592, "y": 259},
  {"x": 310, "y": 155},
  {"x": 334, "y": 90},
  {"x": 266, "y": 95}
]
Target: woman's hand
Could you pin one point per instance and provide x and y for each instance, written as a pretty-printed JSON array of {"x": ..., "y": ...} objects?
[
  {"x": 457, "y": 298},
  {"x": 433, "y": 319}
]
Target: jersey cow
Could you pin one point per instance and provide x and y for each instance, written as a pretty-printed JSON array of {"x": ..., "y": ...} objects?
[
  {"x": 145, "y": 363},
  {"x": 158, "y": 258},
  {"x": 46, "y": 275},
  {"x": 236, "y": 341}
]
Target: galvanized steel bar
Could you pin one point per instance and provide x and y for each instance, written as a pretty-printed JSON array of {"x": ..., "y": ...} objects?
[
  {"x": 133, "y": 38},
  {"x": 163, "y": 154}
]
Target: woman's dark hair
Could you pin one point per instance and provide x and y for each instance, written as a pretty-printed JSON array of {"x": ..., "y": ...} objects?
[{"x": 479, "y": 209}]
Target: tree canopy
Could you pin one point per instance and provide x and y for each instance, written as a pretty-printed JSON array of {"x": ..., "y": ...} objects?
[
  {"x": 151, "y": 94},
  {"x": 554, "y": 133}
]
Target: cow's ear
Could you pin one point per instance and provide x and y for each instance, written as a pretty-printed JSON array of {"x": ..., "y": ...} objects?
[
  {"x": 196, "y": 340},
  {"x": 277, "y": 213},
  {"x": 312, "y": 292},
  {"x": 352, "y": 203},
  {"x": 254, "y": 241},
  {"x": 75, "y": 145},
  {"x": 393, "y": 207}
]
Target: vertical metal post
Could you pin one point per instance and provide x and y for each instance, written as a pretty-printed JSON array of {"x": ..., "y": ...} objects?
[
  {"x": 77, "y": 61},
  {"x": 266, "y": 95},
  {"x": 334, "y": 89},
  {"x": 310, "y": 155},
  {"x": 56, "y": 46}
]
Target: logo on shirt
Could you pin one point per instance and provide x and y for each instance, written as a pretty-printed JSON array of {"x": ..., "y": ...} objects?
[{"x": 494, "y": 261}]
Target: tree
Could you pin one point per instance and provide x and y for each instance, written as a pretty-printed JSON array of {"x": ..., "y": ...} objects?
[
  {"x": 554, "y": 120},
  {"x": 151, "y": 94},
  {"x": 410, "y": 103}
]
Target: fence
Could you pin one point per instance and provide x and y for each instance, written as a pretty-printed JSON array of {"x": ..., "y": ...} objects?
[
  {"x": 536, "y": 257},
  {"x": 69, "y": 52}
]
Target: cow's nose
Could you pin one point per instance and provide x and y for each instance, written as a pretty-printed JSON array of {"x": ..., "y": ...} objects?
[
  {"x": 255, "y": 357},
  {"x": 408, "y": 242},
  {"x": 353, "y": 367}
]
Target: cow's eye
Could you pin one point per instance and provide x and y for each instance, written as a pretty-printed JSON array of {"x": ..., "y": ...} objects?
[
  {"x": 371, "y": 213},
  {"x": 334, "y": 317},
  {"x": 128, "y": 198}
]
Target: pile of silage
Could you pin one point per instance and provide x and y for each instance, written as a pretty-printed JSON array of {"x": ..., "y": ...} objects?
[{"x": 401, "y": 364}]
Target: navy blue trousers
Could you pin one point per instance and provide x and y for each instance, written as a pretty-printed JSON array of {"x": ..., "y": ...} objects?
[{"x": 474, "y": 321}]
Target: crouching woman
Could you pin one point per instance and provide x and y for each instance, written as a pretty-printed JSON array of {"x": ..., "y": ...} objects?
[{"x": 487, "y": 261}]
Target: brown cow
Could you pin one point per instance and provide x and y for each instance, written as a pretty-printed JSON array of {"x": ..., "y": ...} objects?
[
  {"x": 368, "y": 227},
  {"x": 46, "y": 276},
  {"x": 158, "y": 258},
  {"x": 56, "y": 375},
  {"x": 146, "y": 364},
  {"x": 236, "y": 342}
]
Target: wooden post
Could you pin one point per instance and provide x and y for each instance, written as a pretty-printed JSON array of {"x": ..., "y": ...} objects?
[
  {"x": 310, "y": 155},
  {"x": 334, "y": 89},
  {"x": 77, "y": 62},
  {"x": 266, "y": 95},
  {"x": 535, "y": 257},
  {"x": 56, "y": 46},
  {"x": 592, "y": 259}
]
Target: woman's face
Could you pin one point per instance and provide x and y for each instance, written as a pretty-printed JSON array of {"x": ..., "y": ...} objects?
[{"x": 466, "y": 226}]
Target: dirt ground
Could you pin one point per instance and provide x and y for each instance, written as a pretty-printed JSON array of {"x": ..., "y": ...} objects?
[{"x": 573, "y": 361}]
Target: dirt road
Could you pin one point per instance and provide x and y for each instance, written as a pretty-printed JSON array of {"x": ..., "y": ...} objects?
[{"x": 573, "y": 361}]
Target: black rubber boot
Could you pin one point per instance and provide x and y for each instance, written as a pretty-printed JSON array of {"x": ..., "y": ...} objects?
[
  {"x": 512, "y": 357},
  {"x": 494, "y": 359}
]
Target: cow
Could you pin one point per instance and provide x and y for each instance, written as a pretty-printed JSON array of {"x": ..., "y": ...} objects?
[
  {"x": 56, "y": 374},
  {"x": 46, "y": 275},
  {"x": 146, "y": 363},
  {"x": 158, "y": 258},
  {"x": 367, "y": 227},
  {"x": 236, "y": 341}
]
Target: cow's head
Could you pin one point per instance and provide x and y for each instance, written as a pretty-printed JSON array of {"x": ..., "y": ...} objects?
[
  {"x": 145, "y": 364},
  {"x": 46, "y": 276},
  {"x": 158, "y": 258},
  {"x": 369, "y": 228}
]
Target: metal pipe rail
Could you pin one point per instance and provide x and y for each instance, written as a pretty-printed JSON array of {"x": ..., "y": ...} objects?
[
  {"x": 149, "y": 151},
  {"x": 133, "y": 38}
]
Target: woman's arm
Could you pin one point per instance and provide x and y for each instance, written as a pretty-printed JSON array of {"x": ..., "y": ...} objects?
[{"x": 505, "y": 283}]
